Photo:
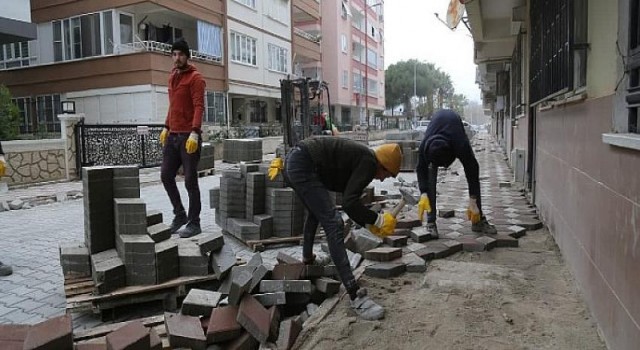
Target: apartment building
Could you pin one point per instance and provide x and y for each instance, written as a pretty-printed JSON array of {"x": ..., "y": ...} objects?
[
  {"x": 15, "y": 25},
  {"x": 353, "y": 59}
]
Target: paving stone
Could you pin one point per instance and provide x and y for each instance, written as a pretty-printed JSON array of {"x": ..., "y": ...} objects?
[
  {"x": 225, "y": 287},
  {"x": 12, "y": 336},
  {"x": 254, "y": 318},
  {"x": 244, "y": 342},
  {"x": 362, "y": 240},
  {"x": 383, "y": 254},
  {"x": 385, "y": 270},
  {"x": 288, "y": 333},
  {"x": 223, "y": 325},
  {"x": 284, "y": 258},
  {"x": 529, "y": 224},
  {"x": 402, "y": 232},
  {"x": 471, "y": 244},
  {"x": 200, "y": 302},
  {"x": 453, "y": 245},
  {"x": 223, "y": 260},
  {"x": 288, "y": 271},
  {"x": 446, "y": 213},
  {"x": 517, "y": 231},
  {"x": 258, "y": 275},
  {"x": 299, "y": 286},
  {"x": 420, "y": 235},
  {"x": 155, "y": 343},
  {"x": 331, "y": 270},
  {"x": 271, "y": 299},
  {"x": 414, "y": 263},
  {"x": 130, "y": 216},
  {"x": 409, "y": 223},
  {"x": 396, "y": 241},
  {"x": 503, "y": 240},
  {"x": 167, "y": 261},
  {"x": 132, "y": 336},
  {"x": 184, "y": 331},
  {"x": 489, "y": 243},
  {"x": 413, "y": 247},
  {"x": 159, "y": 232},
  {"x": 54, "y": 334},
  {"x": 256, "y": 260},
  {"x": 75, "y": 260},
  {"x": 239, "y": 286},
  {"x": 154, "y": 217},
  {"x": 327, "y": 285},
  {"x": 209, "y": 242}
]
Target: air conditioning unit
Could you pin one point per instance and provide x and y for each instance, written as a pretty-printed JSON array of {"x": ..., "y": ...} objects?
[{"x": 518, "y": 164}]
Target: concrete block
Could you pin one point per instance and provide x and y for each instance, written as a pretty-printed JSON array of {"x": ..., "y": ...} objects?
[
  {"x": 155, "y": 343},
  {"x": 284, "y": 258},
  {"x": 385, "y": 270},
  {"x": 446, "y": 213},
  {"x": 287, "y": 286},
  {"x": 130, "y": 216},
  {"x": 383, "y": 254},
  {"x": 75, "y": 261},
  {"x": 489, "y": 243},
  {"x": 364, "y": 240},
  {"x": 239, "y": 286},
  {"x": 327, "y": 286},
  {"x": 154, "y": 217},
  {"x": 312, "y": 271},
  {"x": 214, "y": 198},
  {"x": 259, "y": 274},
  {"x": 13, "y": 336},
  {"x": 271, "y": 299},
  {"x": 108, "y": 271},
  {"x": 396, "y": 241},
  {"x": 414, "y": 263},
  {"x": 222, "y": 260},
  {"x": 225, "y": 287},
  {"x": 223, "y": 325},
  {"x": 97, "y": 190},
  {"x": 453, "y": 245},
  {"x": 55, "y": 333},
  {"x": 200, "y": 302},
  {"x": 256, "y": 260},
  {"x": 503, "y": 240},
  {"x": 354, "y": 260},
  {"x": 167, "y": 261},
  {"x": 159, "y": 232},
  {"x": 254, "y": 318},
  {"x": 184, "y": 331},
  {"x": 244, "y": 342},
  {"x": 288, "y": 333},
  {"x": 517, "y": 231},
  {"x": 132, "y": 336},
  {"x": 420, "y": 235},
  {"x": 284, "y": 271},
  {"x": 192, "y": 261},
  {"x": 209, "y": 242},
  {"x": 471, "y": 244}
]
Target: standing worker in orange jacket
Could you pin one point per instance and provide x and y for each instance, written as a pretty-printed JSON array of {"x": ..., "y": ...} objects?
[{"x": 181, "y": 141}]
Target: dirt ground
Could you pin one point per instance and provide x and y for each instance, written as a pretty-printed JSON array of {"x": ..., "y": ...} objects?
[{"x": 508, "y": 298}]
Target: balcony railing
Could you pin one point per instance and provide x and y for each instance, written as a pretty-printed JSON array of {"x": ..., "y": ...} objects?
[
  {"x": 155, "y": 46},
  {"x": 308, "y": 36}
]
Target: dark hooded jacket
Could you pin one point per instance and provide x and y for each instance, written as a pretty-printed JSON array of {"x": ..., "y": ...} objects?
[{"x": 443, "y": 142}]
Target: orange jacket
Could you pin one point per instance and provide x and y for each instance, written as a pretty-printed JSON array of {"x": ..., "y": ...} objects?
[{"x": 186, "y": 101}]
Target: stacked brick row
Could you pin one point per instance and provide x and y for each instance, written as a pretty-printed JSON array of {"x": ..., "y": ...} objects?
[
  {"x": 250, "y": 206},
  {"x": 126, "y": 245},
  {"x": 242, "y": 150}
]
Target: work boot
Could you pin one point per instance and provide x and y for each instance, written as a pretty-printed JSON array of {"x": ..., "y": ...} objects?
[
  {"x": 365, "y": 307},
  {"x": 484, "y": 227},
  {"x": 432, "y": 229},
  {"x": 192, "y": 229},
  {"x": 321, "y": 260},
  {"x": 178, "y": 221},
  {"x": 5, "y": 270}
]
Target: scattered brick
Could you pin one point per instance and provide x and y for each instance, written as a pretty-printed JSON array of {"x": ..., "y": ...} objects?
[
  {"x": 299, "y": 286},
  {"x": 327, "y": 286},
  {"x": 256, "y": 260},
  {"x": 55, "y": 334},
  {"x": 239, "y": 286},
  {"x": 446, "y": 213},
  {"x": 225, "y": 287},
  {"x": 223, "y": 325},
  {"x": 288, "y": 333},
  {"x": 354, "y": 260},
  {"x": 244, "y": 342},
  {"x": 200, "y": 302},
  {"x": 503, "y": 240},
  {"x": 285, "y": 271},
  {"x": 409, "y": 223},
  {"x": 284, "y": 258},
  {"x": 259, "y": 274},
  {"x": 254, "y": 318},
  {"x": 132, "y": 336},
  {"x": 223, "y": 260},
  {"x": 271, "y": 299},
  {"x": 184, "y": 331},
  {"x": 420, "y": 235},
  {"x": 154, "y": 217},
  {"x": 210, "y": 242},
  {"x": 471, "y": 244},
  {"x": 383, "y": 254},
  {"x": 12, "y": 336},
  {"x": 312, "y": 271},
  {"x": 396, "y": 241},
  {"x": 414, "y": 263},
  {"x": 385, "y": 270},
  {"x": 331, "y": 270},
  {"x": 489, "y": 243},
  {"x": 454, "y": 246}
]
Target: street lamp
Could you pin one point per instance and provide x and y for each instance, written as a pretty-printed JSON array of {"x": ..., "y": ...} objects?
[{"x": 366, "y": 57}]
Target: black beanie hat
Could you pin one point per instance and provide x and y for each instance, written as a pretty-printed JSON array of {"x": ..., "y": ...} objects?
[
  {"x": 440, "y": 153},
  {"x": 181, "y": 46}
]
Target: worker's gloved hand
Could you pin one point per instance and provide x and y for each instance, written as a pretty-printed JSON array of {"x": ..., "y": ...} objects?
[
  {"x": 423, "y": 205},
  {"x": 385, "y": 225},
  {"x": 163, "y": 136},
  {"x": 192, "y": 142},
  {"x": 473, "y": 212},
  {"x": 275, "y": 168},
  {"x": 3, "y": 166}
]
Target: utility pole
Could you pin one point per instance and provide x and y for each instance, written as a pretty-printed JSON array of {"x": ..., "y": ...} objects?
[
  {"x": 366, "y": 57},
  {"x": 415, "y": 65}
]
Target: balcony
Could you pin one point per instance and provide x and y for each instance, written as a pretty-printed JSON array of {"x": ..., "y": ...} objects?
[
  {"x": 154, "y": 46},
  {"x": 305, "y": 11},
  {"x": 306, "y": 46}
]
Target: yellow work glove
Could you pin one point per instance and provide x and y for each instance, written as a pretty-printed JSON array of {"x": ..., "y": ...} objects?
[
  {"x": 275, "y": 168},
  {"x": 192, "y": 143},
  {"x": 384, "y": 226},
  {"x": 163, "y": 136},
  {"x": 473, "y": 212},
  {"x": 3, "y": 166},
  {"x": 423, "y": 205}
]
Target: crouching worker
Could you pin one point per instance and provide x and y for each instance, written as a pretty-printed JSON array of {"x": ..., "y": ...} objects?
[{"x": 322, "y": 164}]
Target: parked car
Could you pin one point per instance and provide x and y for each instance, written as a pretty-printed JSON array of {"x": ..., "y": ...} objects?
[{"x": 422, "y": 125}]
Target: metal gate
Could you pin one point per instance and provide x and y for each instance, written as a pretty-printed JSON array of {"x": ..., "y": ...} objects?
[{"x": 118, "y": 144}]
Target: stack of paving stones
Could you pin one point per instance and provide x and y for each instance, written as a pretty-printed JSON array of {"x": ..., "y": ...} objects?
[
  {"x": 207, "y": 159},
  {"x": 249, "y": 206},
  {"x": 242, "y": 150},
  {"x": 254, "y": 306},
  {"x": 126, "y": 245}
]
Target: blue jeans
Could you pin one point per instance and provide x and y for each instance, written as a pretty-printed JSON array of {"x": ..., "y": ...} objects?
[{"x": 300, "y": 173}]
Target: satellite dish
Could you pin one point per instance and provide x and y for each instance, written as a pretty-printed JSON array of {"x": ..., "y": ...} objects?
[{"x": 455, "y": 12}]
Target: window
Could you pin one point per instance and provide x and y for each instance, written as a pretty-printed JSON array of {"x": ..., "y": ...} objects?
[
  {"x": 278, "y": 58},
  {"x": 372, "y": 88},
  {"x": 343, "y": 41},
  {"x": 243, "y": 49},
  {"x": 558, "y": 47},
  {"x": 215, "y": 113},
  {"x": 210, "y": 39},
  {"x": 26, "y": 115},
  {"x": 41, "y": 116},
  {"x": 346, "y": 11},
  {"x": 357, "y": 83},
  {"x": 517, "y": 107},
  {"x": 248, "y": 3},
  {"x": 257, "y": 111},
  {"x": 633, "y": 67},
  {"x": 89, "y": 35},
  {"x": 372, "y": 58},
  {"x": 279, "y": 11},
  {"x": 15, "y": 55},
  {"x": 357, "y": 50},
  {"x": 345, "y": 79}
]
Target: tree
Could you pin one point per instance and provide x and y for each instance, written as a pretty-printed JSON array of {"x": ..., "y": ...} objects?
[{"x": 9, "y": 114}]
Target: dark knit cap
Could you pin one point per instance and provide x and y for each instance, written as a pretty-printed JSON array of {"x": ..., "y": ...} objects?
[
  {"x": 439, "y": 152},
  {"x": 181, "y": 46}
]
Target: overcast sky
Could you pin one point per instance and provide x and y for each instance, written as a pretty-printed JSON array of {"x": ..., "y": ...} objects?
[{"x": 413, "y": 31}]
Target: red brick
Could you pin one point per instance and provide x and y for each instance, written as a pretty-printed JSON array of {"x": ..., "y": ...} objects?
[
  {"x": 132, "y": 336},
  {"x": 223, "y": 325},
  {"x": 288, "y": 271},
  {"x": 54, "y": 334},
  {"x": 184, "y": 331},
  {"x": 383, "y": 254},
  {"x": 396, "y": 241},
  {"x": 254, "y": 318},
  {"x": 13, "y": 332},
  {"x": 289, "y": 331}
]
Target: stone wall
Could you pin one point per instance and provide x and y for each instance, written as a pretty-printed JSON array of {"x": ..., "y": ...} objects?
[{"x": 30, "y": 161}]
